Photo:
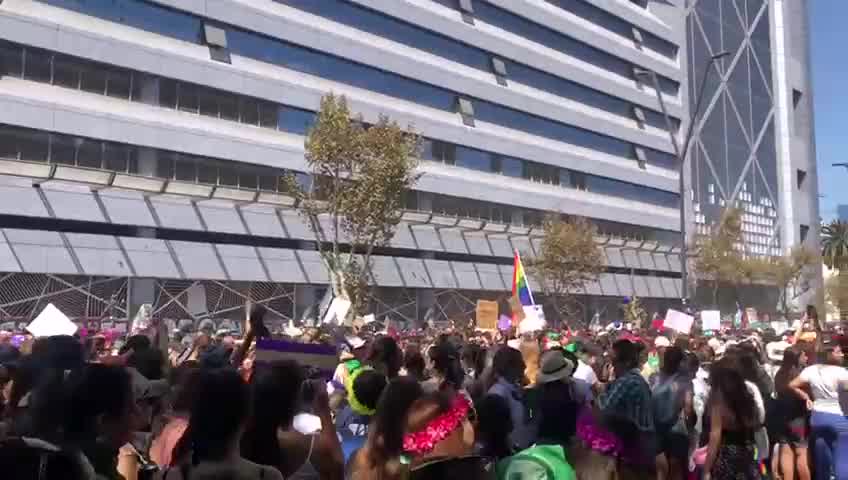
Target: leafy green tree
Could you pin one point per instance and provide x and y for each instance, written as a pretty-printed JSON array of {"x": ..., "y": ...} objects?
[
  {"x": 567, "y": 260},
  {"x": 834, "y": 241},
  {"x": 718, "y": 259},
  {"x": 354, "y": 201}
]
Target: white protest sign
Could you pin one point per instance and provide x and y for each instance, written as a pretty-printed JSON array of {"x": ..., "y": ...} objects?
[
  {"x": 370, "y": 318},
  {"x": 711, "y": 320},
  {"x": 51, "y": 321},
  {"x": 534, "y": 319},
  {"x": 678, "y": 321},
  {"x": 338, "y": 310}
]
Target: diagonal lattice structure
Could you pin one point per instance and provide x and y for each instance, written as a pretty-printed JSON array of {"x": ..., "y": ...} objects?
[{"x": 733, "y": 152}]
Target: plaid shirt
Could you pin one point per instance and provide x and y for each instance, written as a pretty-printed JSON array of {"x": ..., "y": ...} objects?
[{"x": 629, "y": 397}]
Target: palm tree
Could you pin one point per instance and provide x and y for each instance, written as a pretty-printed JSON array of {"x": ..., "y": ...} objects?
[{"x": 834, "y": 238}]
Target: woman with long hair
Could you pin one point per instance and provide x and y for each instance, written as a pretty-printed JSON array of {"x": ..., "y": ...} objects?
[
  {"x": 791, "y": 418},
  {"x": 211, "y": 445},
  {"x": 270, "y": 438},
  {"x": 445, "y": 367},
  {"x": 733, "y": 419},
  {"x": 385, "y": 356},
  {"x": 828, "y": 383},
  {"x": 380, "y": 457}
]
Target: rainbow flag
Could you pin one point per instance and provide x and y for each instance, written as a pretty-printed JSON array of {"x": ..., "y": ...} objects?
[{"x": 520, "y": 287}]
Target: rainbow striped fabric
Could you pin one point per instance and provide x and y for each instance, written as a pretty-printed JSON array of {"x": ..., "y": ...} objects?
[{"x": 520, "y": 287}]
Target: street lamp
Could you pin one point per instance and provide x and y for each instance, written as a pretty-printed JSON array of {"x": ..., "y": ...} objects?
[{"x": 681, "y": 157}]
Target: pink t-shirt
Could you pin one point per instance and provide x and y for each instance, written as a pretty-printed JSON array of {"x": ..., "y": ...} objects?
[{"x": 163, "y": 446}]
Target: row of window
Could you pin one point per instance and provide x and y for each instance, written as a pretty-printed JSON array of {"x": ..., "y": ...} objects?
[
  {"x": 298, "y": 58},
  {"x": 483, "y": 161},
  {"x": 617, "y": 25},
  {"x": 552, "y": 39},
  {"x": 41, "y": 65},
  {"x": 40, "y": 146},
  {"x": 71, "y": 72},
  {"x": 508, "y": 214},
  {"x": 346, "y": 13}
]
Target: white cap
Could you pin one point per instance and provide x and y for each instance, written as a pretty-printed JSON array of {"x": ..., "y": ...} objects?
[
  {"x": 355, "y": 342},
  {"x": 662, "y": 342}
]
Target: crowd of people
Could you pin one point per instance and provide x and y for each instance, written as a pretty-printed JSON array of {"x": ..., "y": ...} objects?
[{"x": 613, "y": 404}]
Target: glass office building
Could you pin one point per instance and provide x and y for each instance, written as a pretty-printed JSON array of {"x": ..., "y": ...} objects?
[{"x": 142, "y": 144}]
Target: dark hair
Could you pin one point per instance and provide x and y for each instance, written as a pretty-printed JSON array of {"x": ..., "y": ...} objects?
[
  {"x": 385, "y": 439},
  {"x": 672, "y": 358},
  {"x": 790, "y": 367},
  {"x": 21, "y": 459},
  {"x": 61, "y": 352},
  {"x": 385, "y": 355},
  {"x": 558, "y": 412},
  {"x": 494, "y": 425},
  {"x": 445, "y": 358},
  {"x": 413, "y": 362},
  {"x": 728, "y": 387},
  {"x": 508, "y": 364},
  {"x": 368, "y": 386},
  {"x": 825, "y": 353},
  {"x": 150, "y": 362},
  {"x": 275, "y": 390},
  {"x": 184, "y": 381},
  {"x": 135, "y": 342},
  {"x": 475, "y": 356},
  {"x": 627, "y": 353},
  {"x": 221, "y": 407}
]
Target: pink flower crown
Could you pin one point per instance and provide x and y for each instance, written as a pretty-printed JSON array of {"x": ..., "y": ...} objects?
[{"x": 438, "y": 429}]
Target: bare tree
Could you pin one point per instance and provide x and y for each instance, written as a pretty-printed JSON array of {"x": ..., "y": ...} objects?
[{"x": 354, "y": 201}]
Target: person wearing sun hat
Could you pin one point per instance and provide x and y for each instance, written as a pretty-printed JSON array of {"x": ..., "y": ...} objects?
[{"x": 556, "y": 408}]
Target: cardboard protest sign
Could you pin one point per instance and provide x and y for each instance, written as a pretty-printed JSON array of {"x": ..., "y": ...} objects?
[
  {"x": 51, "y": 321},
  {"x": 321, "y": 356},
  {"x": 711, "y": 320},
  {"x": 487, "y": 315},
  {"x": 678, "y": 321}
]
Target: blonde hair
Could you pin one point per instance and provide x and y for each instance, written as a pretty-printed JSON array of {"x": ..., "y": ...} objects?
[{"x": 530, "y": 352}]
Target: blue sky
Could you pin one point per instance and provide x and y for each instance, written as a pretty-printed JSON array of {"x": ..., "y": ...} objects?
[{"x": 830, "y": 85}]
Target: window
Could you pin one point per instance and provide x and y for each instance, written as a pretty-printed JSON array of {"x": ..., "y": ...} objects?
[
  {"x": 295, "y": 120},
  {"x": 89, "y": 153},
  {"x": 63, "y": 150},
  {"x": 508, "y": 166},
  {"x": 800, "y": 176},
  {"x": 184, "y": 169},
  {"x": 268, "y": 114},
  {"x": 188, "y": 98},
  {"x": 37, "y": 65},
  {"x": 117, "y": 157},
  {"x": 93, "y": 79},
  {"x": 540, "y": 173},
  {"x": 443, "y": 152},
  {"x": 796, "y": 97},
  {"x": 167, "y": 93},
  {"x": 804, "y": 231},
  {"x": 119, "y": 84},
  {"x": 66, "y": 72},
  {"x": 11, "y": 60},
  {"x": 473, "y": 159}
]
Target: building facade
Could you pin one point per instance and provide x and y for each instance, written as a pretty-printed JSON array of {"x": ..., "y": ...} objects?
[{"x": 142, "y": 144}]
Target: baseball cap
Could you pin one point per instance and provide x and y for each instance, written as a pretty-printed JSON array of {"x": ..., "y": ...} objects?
[{"x": 662, "y": 342}]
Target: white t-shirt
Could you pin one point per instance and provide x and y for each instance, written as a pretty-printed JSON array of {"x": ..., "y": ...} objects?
[
  {"x": 586, "y": 373},
  {"x": 825, "y": 383}
]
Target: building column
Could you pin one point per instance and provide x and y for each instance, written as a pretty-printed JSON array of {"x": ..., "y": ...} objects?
[
  {"x": 305, "y": 301},
  {"x": 425, "y": 299},
  {"x": 139, "y": 292}
]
